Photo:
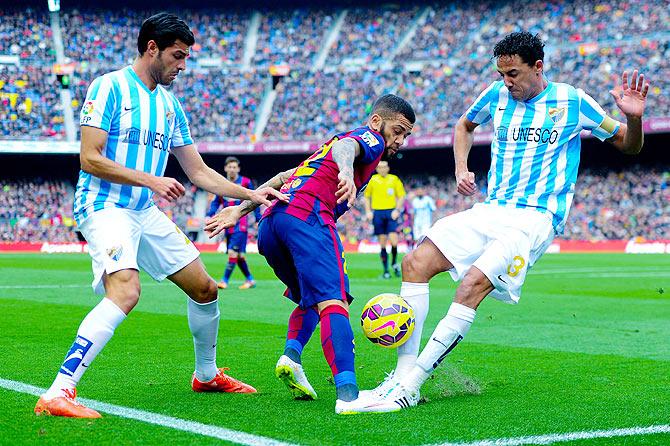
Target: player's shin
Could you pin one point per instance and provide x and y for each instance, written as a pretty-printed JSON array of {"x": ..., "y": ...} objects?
[
  {"x": 244, "y": 267},
  {"x": 203, "y": 321},
  {"x": 449, "y": 332},
  {"x": 232, "y": 261},
  {"x": 337, "y": 340},
  {"x": 93, "y": 334},
  {"x": 417, "y": 296},
  {"x": 394, "y": 255},
  {"x": 385, "y": 259},
  {"x": 301, "y": 326}
]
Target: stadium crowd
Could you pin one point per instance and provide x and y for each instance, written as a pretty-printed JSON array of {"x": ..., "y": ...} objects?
[
  {"x": 607, "y": 205},
  {"x": 592, "y": 44},
  {"x": 45, "y": 217}
]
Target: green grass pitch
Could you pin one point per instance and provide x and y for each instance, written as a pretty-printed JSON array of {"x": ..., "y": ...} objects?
[{"x": 588, "y": 348}]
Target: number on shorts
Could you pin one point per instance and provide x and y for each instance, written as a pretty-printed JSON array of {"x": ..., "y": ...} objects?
[{"x": 517, "y": 265}]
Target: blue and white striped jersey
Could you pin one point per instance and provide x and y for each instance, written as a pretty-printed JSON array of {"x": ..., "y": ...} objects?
[
  {"x": 536, "y": 146},
  {"x": 143, "y": 126}
]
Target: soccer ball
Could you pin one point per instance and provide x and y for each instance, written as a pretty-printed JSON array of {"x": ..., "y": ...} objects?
[{"x": 387, "y": 320}]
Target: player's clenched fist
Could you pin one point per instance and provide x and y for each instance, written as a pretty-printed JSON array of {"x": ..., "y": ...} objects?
[
  {"x": 465, "y": 183},
  {"x": 167, "y": 188},
  {"x": 225, "y": 219},
  {"x": 264, "y": 195}
]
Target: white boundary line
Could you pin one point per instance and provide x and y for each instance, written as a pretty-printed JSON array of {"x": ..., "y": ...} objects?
[
  {"x": 570, "y": 436},
  {"x": 206, "y": 430},
  {"x": 243, "y": 438}
]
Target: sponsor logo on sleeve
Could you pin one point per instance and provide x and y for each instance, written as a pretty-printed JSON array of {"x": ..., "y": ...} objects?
[
  {"x": 87, "y": 109},
  {"x": 369, "y": 139}
]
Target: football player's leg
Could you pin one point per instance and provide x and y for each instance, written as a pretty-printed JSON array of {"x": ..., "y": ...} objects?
[
  {"x": 203, "y": 315},
  {"x": 230, "y": 267},
  {"x": 242, "y": 261},
  {"x": 383, "y": 253},
  {"x": 272, "y": 237},
  {"x": 393, "y": 239},
  {"x": 452, "y": 328},
  {"x": 203, "y": 321},
  {"x": 113, "y": 241},
  {"x": 418, "y": 267},
  {"x": 122, "y": 289},
  {"x": 337, "y": 341},
  {"x": 301, "y": 326}
]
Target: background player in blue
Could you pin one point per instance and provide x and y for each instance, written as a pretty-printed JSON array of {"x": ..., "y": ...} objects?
[
  {"x": 534, "y": 162},
  {"x": 129, "y": 126},
  {"x": 236, "y": 237},
  {"x": 300, "y": 242}
]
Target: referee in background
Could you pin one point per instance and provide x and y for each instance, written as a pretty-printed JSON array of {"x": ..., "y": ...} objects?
[{"x": 384, "y": 199}]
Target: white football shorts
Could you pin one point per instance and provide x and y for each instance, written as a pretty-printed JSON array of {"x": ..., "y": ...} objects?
[
  {"x": 128, "y": 239},
  {"x": 420, "y": 230},
  {"x": 502, "y": 242}
]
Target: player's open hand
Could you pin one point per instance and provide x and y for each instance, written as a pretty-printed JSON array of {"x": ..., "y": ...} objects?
[
  {"x": 465, "y": 183},
  {"x": 167, "y": 188},
  {"x": 225, "y": 219},
  {"x": 630, "y": 98},
  {"x": 346, "y": 189},
  {"x": 265, "y": 195}
]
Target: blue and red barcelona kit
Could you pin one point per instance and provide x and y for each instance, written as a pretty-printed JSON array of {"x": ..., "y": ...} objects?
[
  {"x": 236, "y": 237},
  {"x": 299, "y": 239}
]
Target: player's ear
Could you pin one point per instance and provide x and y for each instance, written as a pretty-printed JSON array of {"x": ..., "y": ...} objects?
[
  {"x": 376, "y": 122},
  {"x": 539, "y": 67},
  {"x": 152, "y": 48}
]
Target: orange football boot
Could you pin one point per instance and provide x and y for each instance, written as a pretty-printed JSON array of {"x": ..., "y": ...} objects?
[
  {"x": 64, "y": 406},
  {"x": 221, "y": 383},
  {"x": 222, "y": 285},
  {"x": 248, "y": 284}
]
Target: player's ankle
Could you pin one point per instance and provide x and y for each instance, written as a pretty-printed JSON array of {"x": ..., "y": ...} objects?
[{"x": 293, "y": 355}]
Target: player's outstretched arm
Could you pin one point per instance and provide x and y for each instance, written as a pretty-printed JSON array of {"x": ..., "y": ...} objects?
[
  {"x": 229, "y": 216},
  {"x": 463, "y": 139},
  {"x": 93, "y": 142},
  {"x": 210, "y": 180},
  {"x": 630, "y": 98},
  {"x": 345, "y": 152}
]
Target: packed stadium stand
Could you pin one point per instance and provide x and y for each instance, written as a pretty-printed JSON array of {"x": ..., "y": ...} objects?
[
  {"x": 304, "y": 73},
  {"x": 437, "y": 54}
]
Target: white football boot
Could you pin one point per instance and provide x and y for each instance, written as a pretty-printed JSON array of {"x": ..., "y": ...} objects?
[
  {"x": 403, "y": 397},
  {"x": 293, "y": 376},
  {"x": 382, "y": 389},
  {"x": 365, "y": 404}
]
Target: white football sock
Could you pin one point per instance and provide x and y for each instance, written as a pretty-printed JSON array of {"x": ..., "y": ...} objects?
[
  {"x": 449, "y": 332},
  {"x": 94, "y": 332},
  {"x": 203, "y": 320},
  {"x": 415, "y": 294}
]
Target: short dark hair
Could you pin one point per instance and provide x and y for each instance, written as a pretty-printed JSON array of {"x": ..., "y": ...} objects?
[
  {"x": 390, "y": 104},
  {"x": 231, "y": 159},
  {"x": 163, "y": 28},
  {"x": 530, "y": 48}
]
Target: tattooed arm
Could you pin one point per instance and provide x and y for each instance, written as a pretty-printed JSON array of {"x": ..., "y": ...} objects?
[
  {"x": 229, "y": 216},
  {"x": 345, "y": 152}
]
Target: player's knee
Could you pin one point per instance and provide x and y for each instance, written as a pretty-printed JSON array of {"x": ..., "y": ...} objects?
[
  {"x": 413, "y": 269},
  {"x": 123, "y": 288},
  {"x": 473, "y": 289},
  {"x": 207, "y": 292}
]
